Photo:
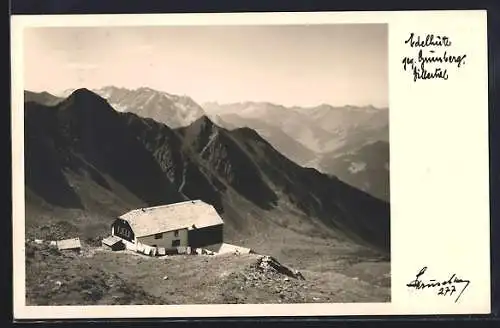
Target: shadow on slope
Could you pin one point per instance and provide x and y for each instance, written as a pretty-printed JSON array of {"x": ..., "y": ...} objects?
[
  {"x": 220, "y": 153},
  {"x": 44, "y": 158},
  {"x": 85, "y": 126},
  {"x": 335, "y": 203},
  {"x": 175, "y": 161}
]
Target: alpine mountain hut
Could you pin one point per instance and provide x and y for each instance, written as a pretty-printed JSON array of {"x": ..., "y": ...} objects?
[{"x": 193, "y": 223}]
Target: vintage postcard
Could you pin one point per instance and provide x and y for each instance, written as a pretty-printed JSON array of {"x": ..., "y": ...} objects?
[{"x": 271, "y": 164}]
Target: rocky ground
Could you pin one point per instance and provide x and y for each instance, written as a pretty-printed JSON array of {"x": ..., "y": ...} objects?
[{"x": 100, "y": 276}]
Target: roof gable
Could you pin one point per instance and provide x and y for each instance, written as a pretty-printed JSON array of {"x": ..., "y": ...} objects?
[{"x": 177, "y": 216}]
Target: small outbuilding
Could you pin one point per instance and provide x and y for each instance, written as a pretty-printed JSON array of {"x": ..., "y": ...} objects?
[
  {"x": 114, "y": 243},
  {"x": 72, "y": 244},
  {"x": 225, "y": 248}
]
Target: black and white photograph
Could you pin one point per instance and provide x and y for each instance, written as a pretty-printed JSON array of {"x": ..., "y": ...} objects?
[{"x": 206, "y": 164}]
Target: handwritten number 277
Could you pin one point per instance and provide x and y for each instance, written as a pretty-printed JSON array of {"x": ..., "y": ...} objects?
[{"x": 446, "y": 291}]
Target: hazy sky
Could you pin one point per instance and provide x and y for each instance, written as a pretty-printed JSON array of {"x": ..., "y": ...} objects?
[{"x": 291, "y": 65}]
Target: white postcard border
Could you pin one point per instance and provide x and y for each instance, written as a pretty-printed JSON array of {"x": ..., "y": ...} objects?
[{"x": 439, "y": 197}]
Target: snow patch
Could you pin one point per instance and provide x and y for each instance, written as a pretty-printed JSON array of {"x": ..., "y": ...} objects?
[
  {"x": 150, "y": 98},
  {"x": 211, "y": 139},
  {"x": 119, "y": 107},
  {"x": 357, "y": 167}
]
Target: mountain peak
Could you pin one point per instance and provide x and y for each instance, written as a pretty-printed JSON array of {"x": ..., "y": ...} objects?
[
  {"x": 85, "y": 100},
  {"x": 201, "y": 126},
  {"x": 203, "y": 120},
  {"x": 87, "y": 97},
  {"x": 83, "y": 92}
]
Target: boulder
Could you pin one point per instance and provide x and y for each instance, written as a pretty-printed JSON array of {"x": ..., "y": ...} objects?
[{"x": 270, "y": 264}]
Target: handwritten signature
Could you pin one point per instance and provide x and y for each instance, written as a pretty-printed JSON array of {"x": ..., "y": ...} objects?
[{"x": 445, "y": 287}]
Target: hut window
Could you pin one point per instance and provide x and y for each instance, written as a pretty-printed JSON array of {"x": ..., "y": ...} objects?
[
  {"x": 159, "y": 236},
  {"x": 176, "y": 233},
  {"x": 124, "y": 232},
  {"x": 176, "y": 243}
]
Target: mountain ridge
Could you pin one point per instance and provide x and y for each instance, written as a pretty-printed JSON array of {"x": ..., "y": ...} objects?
[
  {"x": 314, "y": 137},
  {"x": 44, "y": 98},
  {"x": 202, "y": 160}
]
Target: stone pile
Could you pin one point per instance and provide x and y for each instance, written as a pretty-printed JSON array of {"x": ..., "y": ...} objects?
[{"x": 270, "y": 264}]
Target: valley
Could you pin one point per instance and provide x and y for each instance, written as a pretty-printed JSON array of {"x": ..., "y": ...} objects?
[{"x": 319, "y": 137}]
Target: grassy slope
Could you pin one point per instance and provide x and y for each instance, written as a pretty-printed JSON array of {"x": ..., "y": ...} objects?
[
  {"x": 330, "y": 263},
  {"x": 55, "y": 278},
  {"x": 100, "y": 276}
]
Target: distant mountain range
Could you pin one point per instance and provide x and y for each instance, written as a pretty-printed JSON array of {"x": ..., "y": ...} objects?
[
  {"x": 172, "y": 110},
  {"x": 301, "y": 127},
  {"x": 322, "y": 129},
  {"x": 315, "y": 137},
  {"x": 82, "y": 153}
]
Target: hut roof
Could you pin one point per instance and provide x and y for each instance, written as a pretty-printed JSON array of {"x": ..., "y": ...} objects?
[
  {"x": 73, "y": 243},
  {"x": 111, "y": 241},
  {"x": 193, "y": 214}
]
